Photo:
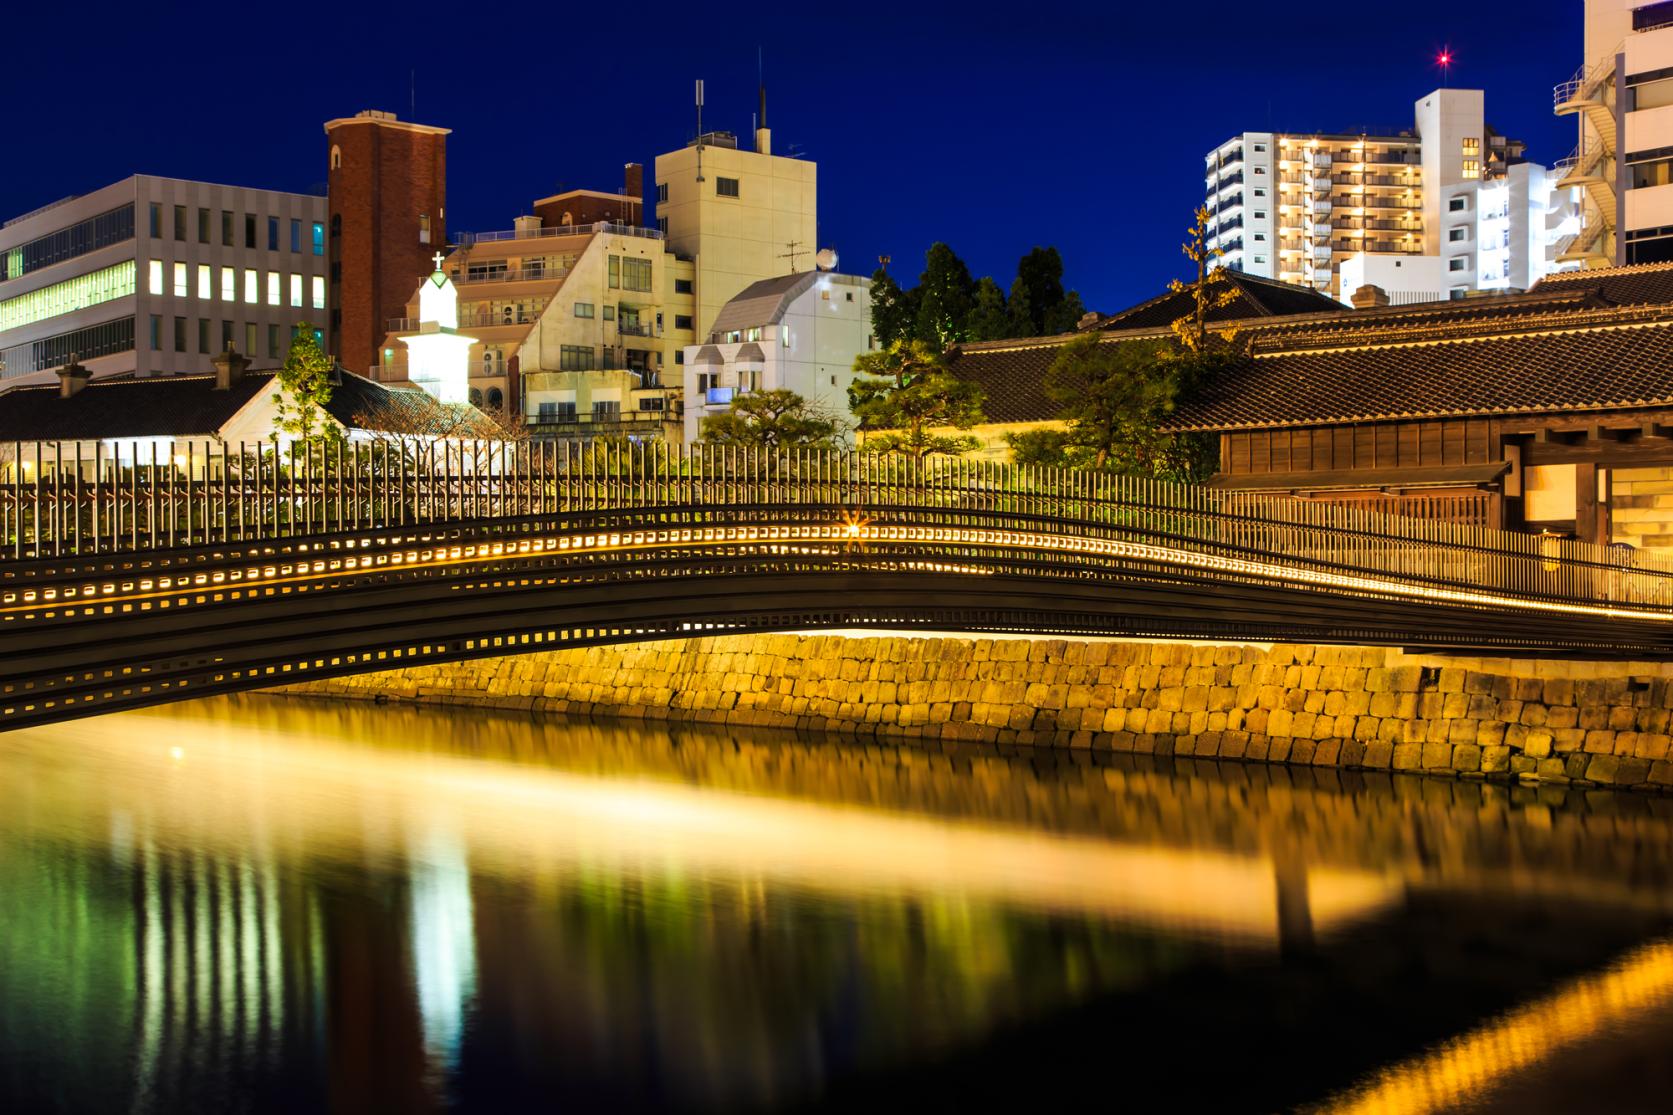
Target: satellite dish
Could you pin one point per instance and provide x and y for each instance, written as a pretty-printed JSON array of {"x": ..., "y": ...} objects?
[{"x": 826, "y": 260}]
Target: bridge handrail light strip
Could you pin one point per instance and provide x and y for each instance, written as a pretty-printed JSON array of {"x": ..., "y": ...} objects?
[{"x": 96, "y": 500}]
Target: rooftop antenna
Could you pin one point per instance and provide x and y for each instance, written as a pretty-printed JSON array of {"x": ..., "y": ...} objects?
[
  {"x": 413, "y": 79},
  {"x": 699, "y": 129},
  {"x": 795, "y": 247}
]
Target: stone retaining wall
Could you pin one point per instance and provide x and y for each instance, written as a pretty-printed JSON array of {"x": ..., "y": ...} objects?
[{"x": 1353, "y": 707}]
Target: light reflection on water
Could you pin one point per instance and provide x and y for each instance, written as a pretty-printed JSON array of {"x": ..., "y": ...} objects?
[{"x": 278, "y": 905}]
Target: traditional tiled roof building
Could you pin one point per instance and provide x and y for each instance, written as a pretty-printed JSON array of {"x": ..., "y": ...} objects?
[{"x": 1550, "y": 409}]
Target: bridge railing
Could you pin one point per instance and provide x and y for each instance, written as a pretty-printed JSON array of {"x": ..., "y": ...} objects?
[{"x": 93, "y": 498}]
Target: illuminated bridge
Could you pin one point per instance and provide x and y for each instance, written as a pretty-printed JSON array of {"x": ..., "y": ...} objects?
[{"x": 160, "y": 573}]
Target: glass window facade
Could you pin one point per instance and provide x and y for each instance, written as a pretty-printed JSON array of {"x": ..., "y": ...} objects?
[
  {"x": 52, "y": 352},
  {"x": 108, "y": 228}
]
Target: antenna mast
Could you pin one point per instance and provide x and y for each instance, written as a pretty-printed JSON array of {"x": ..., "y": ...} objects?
[{"x": 699, "y": 129}]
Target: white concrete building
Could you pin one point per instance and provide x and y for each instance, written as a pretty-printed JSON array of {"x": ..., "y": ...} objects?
[
  {"x": 157, "y": 275},
  {"x": 1302, "y": 208},
  {"x": 1622, "y": 100},
  {"x": 797, "y": 332}
]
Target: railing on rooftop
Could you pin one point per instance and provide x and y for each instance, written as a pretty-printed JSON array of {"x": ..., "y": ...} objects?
[
  {"x": 508, "y": 275},
  {"x": 466, "y": 239}
]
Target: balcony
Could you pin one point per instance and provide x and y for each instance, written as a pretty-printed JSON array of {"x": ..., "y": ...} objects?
[
  {"x": 555, "y": 423},
  {"x": 634, "y": 329},
  {"x": 466, "y": 239}
]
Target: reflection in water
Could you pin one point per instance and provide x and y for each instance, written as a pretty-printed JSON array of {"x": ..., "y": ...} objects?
[{"x": 264, "y": 903}]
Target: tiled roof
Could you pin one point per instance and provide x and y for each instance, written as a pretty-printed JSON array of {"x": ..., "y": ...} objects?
[
  {"x": 1256, "y": 298},
  {"x": 1587, "y": 340}
]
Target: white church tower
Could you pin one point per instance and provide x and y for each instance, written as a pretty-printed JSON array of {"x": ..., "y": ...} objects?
[{"x": 438, "y": 355}]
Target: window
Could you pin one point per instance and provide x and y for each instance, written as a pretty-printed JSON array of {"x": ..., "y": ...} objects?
[
  {"x": 156, "y": 225},
  {"x": 156, "y": 332},
  {"x": 679, "y": 356},
  {"x": 1260, "y": 259},
  {"x": 1459, "y": 263},
  {"x": 182, "y": 285},
  {"x": 662, "y": 225},
  {"x": 203, "y": 335},
  {"x": 1472, "y": 168},
  {"x": 1260, "y": 170},
  {"x": 1472, "y": 145},
  {"x": 249, "y": 338},
  {"x": 1656, "y": 173},
  {"x": 1260, "y": 236},
  {"x": 1456, "y": 234},
  {"x": 296, "y": 292},
  {"x": 229, "y": 285},
  {"x": 575, "y": 358},
  {"x": 1260, "y": 214},
  {"x": 179, "y": 334},
  {"x": 1455, "y": 205},
  {"x": 272, "y": 234},
  {"x": 609, "y": 313},
  {"x": 424, "y": 228},
  {"x": 615, "y": 272},
  {"x": 583, "y": 309},
  {"x": 154, "y": 277},
  {"x": 636, "y": 274},
  {"x": 319, "y": 238},
  {"x": 273, "y": 340},
  {"x": 203, "y": 226},
  {"x": 682, "y": 286},
  {"x": 206, "y": 281},
  {"x": 226, "y": 335},
  {"x": 726, "y": 187},
  {"x": 252, "y": 284},
  {"x": 1260, "y": 147},
  {"x": 1259, "y": 192},
  {"x": 226, "y": 228},
  {"x": 682, "y": 321},
  {"x": 606, "y": 408},
  {"x": 273, "y": 288},
  {"x": 180, "y": 222},
  {"x": 51, "y": 352},
  {"x": 249, "y": 230},
  {"x": 652, "y": 402},
  {"x": 319, "y": 292},
  {"x": 336, "y": 157},
  {"x": 661, "y": 191}
]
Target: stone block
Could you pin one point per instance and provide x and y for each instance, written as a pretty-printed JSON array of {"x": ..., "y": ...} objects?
[
  {"x": 1466, "y": 756},
  {"x": 1437, "y": 756}
]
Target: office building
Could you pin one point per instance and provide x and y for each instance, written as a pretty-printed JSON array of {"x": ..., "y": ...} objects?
[
  {"x": 1622, "y": 101},
  {"x": 1439, "y": 210},
  {"x": 157, "y": 275},
  {"x": 797, "y": 333},
  {"x": 387, "y": 189}
]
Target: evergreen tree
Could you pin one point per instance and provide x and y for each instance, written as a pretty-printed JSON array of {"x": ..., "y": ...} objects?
[
  {"x": 945, "y": 295},
  {"x": 305, "y": 383},
  {"x": 893, "y": 310},
  {"x": 1065, "y": 316},
  {"x": 776, "y": 419},
  {"x": 1020, "y": 311},
  {"x": 1040, "y": 273},
  {"x": 988, "y": 321},
  {"x": 903, "y": 394}
]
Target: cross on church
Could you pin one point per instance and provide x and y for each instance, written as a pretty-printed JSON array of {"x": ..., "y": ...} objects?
[{"x": 440, "y": 259}]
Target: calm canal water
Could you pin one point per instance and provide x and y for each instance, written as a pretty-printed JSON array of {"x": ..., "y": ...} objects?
[{"x": 266, "y": 905}]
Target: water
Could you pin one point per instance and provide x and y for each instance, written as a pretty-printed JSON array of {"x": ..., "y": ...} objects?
[{"x": 266, "y": 905}]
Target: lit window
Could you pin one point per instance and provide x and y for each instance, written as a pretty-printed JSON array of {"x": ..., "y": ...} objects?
[
  {"x": 252, "y": 287},
  {"x": 424, "y": 228},
  {"x": 273, "y": 298},
  {"x": 229, "y": 285},
  {"x": 154, "y": 277},
  {"x": 1472, "y": 145},
  {"x": 206, "y": 281},
  {"x": 319, "y": 292},
  {"x": 296, "y": 291},
  {"x": 319, "y": 238},
  {"x": 336, "y": 157},
  {"x": 1472, "y": 168},
  {"x": 182, "y": 284},
  {"x": 104, "y": 285}
]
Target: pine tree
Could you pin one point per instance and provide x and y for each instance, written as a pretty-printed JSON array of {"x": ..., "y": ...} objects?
[
  {"x": 1020, "y": 310},
  {"x": 1040, "y": 273},
  {"x": 304, "y": 389},
  {"x": 945, "y": 295},
  {"x": 893, "y": 312},
  {"x": 988, "y": 321},
  {"x": 1065, "y": 316},
  {"x": 776, "y": 419},
  {"x": 903, "y": 394}
]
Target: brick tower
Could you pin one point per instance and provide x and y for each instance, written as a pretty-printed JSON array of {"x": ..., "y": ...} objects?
[{"x": 388, "y": 204}]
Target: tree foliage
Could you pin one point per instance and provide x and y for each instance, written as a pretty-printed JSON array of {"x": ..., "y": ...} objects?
[
  {"x": 305, "y": 384},
  {"x": 903, "y": 395},
  {"x": 1040, "y": 273},
  {"x": 1210, "y": 291},
  {"x": 1115, "y": 396},
  {"x": 988, "y": 321},
  {"x": 945, "y": 294},
  {"x": 418, "y": 415},
  {"x": 776, "y": 419},
  {"x": 893, "y": 311}
]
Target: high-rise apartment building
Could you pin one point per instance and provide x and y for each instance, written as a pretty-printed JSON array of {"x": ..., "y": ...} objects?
[
  {"x": 1622, "y": 100},
  {"x": 1446, "y": 207},
  {"x": 739, "y": 216},
  {"x": 158, "y": 275},
  {"x": 387, "y": 189}
]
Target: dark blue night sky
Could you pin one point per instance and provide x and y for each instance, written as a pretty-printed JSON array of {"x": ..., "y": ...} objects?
[{"x": 993, "y": 129}]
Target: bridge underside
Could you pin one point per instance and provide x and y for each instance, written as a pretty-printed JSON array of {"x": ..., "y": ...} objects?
[{"x": 84, "y": 636}]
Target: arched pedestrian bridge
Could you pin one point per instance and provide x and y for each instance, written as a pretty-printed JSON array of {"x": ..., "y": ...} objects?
[{"x": 165, "y": 573}]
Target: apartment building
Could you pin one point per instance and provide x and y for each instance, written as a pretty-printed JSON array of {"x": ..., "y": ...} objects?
[
  {"x": 157, "y": 275},
  {"x": 739, "y": 216},
  {"x": 1622, "y": 102},
  {"x": 797, "y": 333},
  {"x": 1438, "y": 210}
]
